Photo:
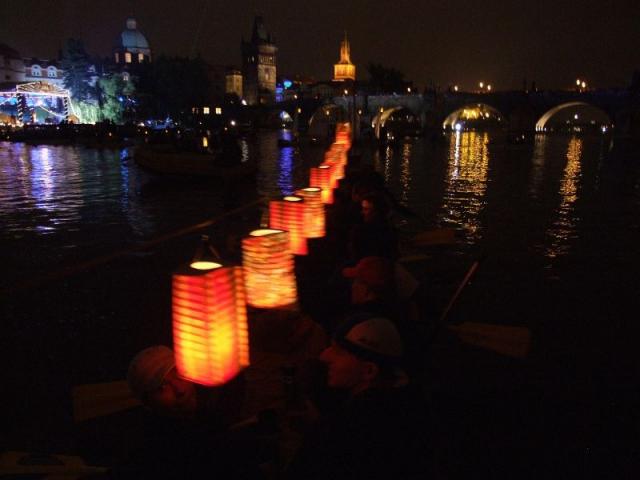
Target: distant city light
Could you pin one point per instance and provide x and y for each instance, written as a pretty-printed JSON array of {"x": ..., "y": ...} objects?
[
  {"x": 578, "y": 82},
  {"x": 408, "y": 89},
  {"x": 346, "y": 92},
  {"x": 481, "y": 84},
  {"x": 575, "y": 116},
  {"x": 583, "y": 84},
  {"x": 455, "y": 88},
  {"x": 219, "y": 110},
  {"x": 205, "y": 110},
  {"x": 287, "y": 83},
  {"x": 232, "y": 123},
  {"x": 489, "y": 87},
  {"x": 244, "y": 102}
]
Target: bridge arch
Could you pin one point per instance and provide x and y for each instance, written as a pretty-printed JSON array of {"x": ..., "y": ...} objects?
[
  {"x": 323, "y": 121},
  {"x": 472, "y": 115},
  {"x": 541, "y": 124},
  {"x": 396, "y": 120}
]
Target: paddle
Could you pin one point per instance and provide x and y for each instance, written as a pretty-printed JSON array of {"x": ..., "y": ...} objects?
[
  {"x": 438, "y": 236},
  {"x": 98, "y": 399},
  {"x": 503, "y": 339}
]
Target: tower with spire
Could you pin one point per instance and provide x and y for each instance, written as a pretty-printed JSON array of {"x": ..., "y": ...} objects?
[
  {"x": 259, "y": 65},
  {"x": 344, "y": 69}
]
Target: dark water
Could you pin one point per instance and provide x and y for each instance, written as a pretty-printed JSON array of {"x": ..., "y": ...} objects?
[{"x": 558, "y": 221}]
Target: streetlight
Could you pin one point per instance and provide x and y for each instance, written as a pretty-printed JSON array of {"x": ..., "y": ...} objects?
[
  {"x": 481, "y": 85},
  {"x": 489, "y": 88}
]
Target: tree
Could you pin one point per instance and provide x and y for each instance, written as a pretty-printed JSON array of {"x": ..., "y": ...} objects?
[
  {"x": 114, "y": 94},
  {"x": 385, "y": 80},
  {"x": 75, "y": 63},
  {"x": 172, "y": 86}
]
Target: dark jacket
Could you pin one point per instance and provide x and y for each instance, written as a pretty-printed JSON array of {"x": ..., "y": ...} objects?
[{"x": 380, "y": 433}]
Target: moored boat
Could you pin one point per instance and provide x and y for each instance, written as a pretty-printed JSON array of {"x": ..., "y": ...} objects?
[{"x": 164, "y": 159}]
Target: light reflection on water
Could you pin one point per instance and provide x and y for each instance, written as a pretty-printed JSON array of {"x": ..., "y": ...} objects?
[
  {"x": 466, "y": 182},
  {"x": 563, "y": 228},
  {"x": 73, "y": 193}
]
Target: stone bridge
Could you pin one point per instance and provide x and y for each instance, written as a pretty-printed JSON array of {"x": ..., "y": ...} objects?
[{"x": 521, "y": 111}]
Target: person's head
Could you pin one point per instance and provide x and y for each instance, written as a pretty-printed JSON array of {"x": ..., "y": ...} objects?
[
  {"x": 373, "y": 279},
  {"x": 374, "y": 207},
  {"x": 154, "y": 380},
  {"x": 368, "y": 182},
  {"x": 364, "y": 354}
]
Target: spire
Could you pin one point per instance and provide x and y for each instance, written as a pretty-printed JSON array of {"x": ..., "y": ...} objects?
[
  {"x": 345, "y": 50},
  {"x": 344, "y": 69}
]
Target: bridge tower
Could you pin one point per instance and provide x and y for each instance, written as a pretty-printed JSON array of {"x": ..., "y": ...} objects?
[{"x": 259, "y": 65}]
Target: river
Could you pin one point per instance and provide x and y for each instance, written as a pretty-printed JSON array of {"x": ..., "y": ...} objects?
[{"x": 558, "y": 222}]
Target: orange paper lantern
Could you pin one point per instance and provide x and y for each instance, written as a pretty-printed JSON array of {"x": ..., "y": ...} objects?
[
  {"x": 314, "y": 211},
  {"x": 321, "y": 177},
  {"x": 288, "y": 214},
  {"x": 210, "y": 334},
  {"x": 268, "y": 269}
]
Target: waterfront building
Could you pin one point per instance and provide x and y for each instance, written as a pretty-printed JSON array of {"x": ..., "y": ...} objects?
[
  {"x": 233, "y": 82},
  {"x": 131, "y": 47},
  {"x": 259, "y": 65},
  {"x": 31, "y": 89},
  {"x": 38, "y": 70},
  {"x": 344, "y": 69}
]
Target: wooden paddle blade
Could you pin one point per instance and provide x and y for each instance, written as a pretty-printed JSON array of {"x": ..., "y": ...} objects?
[
  {"x": 503, "y": 339},
  {"x": 99, "y": 399},
  {"x": 439, "y": 236}
]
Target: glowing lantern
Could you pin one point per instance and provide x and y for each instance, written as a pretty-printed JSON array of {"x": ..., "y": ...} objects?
[
  {"x": 210, "y": 333},
  {"x": 321, "y": 177},
  {"x": 288, "y": 214},
  {"x": 268, "y": 269},
  {"x": 314, "y": 211}
]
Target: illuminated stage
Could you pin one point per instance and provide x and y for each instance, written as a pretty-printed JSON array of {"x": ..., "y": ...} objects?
[{"x": 35, "y": 102}]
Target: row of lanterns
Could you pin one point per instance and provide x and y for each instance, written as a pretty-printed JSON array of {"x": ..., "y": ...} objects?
[{"x": 210, "y": 333}]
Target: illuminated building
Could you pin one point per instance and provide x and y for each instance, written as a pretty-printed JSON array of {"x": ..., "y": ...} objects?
[
  {"x": 259, "y": 65},
  {"x": 344, "y": 69},
  {"x": 233, "y": 82},
  {"x": 131, "y": 47},
  {"x": 32, "y": 89}
]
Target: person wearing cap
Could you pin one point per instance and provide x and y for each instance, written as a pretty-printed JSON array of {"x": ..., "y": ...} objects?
[
  {"x": 379, "y": 429},
  {"x": 375, "y": 235},
  {"x": 382, "y": 286},
  {"x": 185, "y": 426},
  {"x": 154, "y": 380}
]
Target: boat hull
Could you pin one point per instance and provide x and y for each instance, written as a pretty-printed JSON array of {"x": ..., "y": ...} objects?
[{"x": 190, "y": 164}]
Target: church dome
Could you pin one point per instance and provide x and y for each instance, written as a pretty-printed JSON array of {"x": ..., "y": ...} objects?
[{"x": 131, "y": 39}]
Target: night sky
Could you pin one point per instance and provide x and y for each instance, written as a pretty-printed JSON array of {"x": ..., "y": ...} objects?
[{"x": 448, "y": 42}]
